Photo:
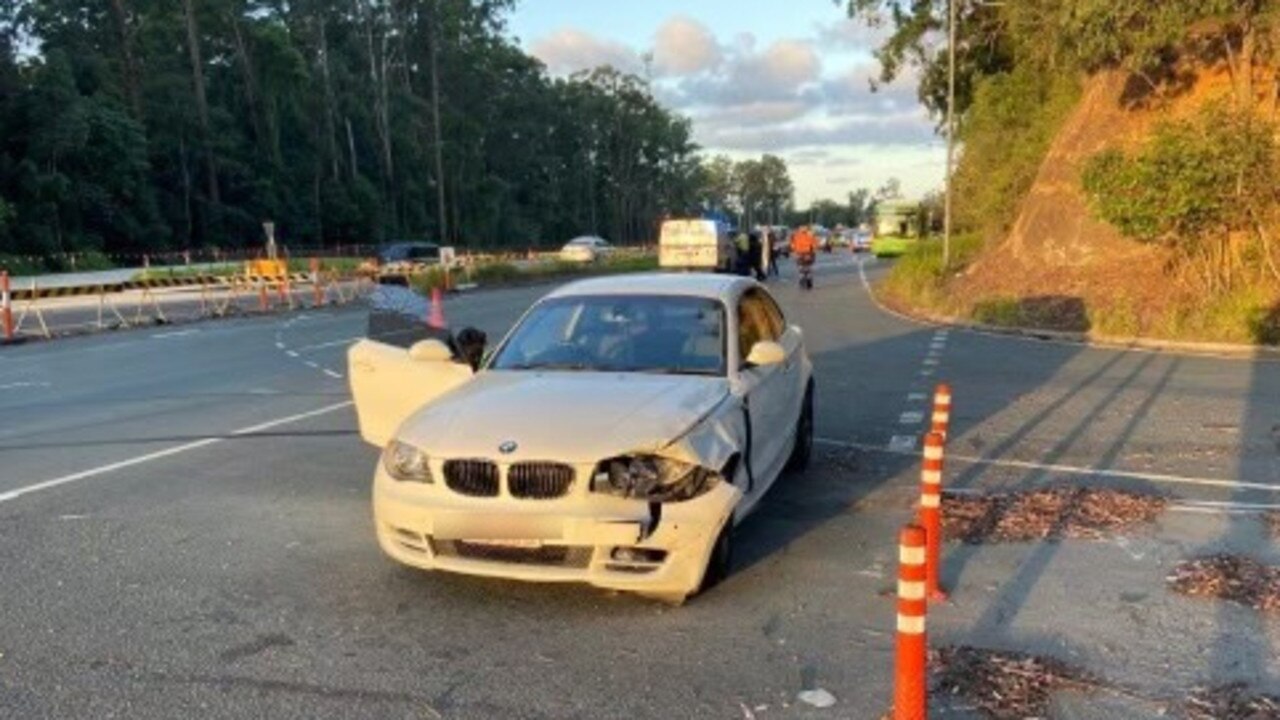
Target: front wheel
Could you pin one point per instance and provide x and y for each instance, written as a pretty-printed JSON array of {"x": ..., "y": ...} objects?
[
  {"x": 721, "y": 561},
  {"x": 802, "y": 450}
]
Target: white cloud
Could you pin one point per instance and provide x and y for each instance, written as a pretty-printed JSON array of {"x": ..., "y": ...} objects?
[
  {"x": 900, "y": 130},
  {"x": 569, "y": 50},
  {"x": 852, "y": 93},
  {"x": 747, "y": 97},
  {"x": 684, "y": 46}
]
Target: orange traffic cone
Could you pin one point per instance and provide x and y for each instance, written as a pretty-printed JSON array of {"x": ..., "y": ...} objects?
[{"x": 436, "y": 319}]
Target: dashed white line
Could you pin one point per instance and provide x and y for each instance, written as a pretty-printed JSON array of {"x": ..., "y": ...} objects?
[
  {"x": 279, "y": 346},
  {"x": 16, "y": 385},
  {"x": 332, "y": 374},
  {"x": 917, "y": 397},
  {"x": 926, "y": 372},
  {"x": 335, "y": 343},
  {"x": 175, "y": 333},
  {"x": 291, "y": 353},
  {"x": 911, "y": 417},
  {"x": 902, "y": 443},
  {"x": 312, "y": 365},
  {"x": 929, "y": 361},
  {"x": 167, "y": 452}
]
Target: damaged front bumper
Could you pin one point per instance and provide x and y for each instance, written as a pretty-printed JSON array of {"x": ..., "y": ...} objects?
[{"x": 600, "y": 540}]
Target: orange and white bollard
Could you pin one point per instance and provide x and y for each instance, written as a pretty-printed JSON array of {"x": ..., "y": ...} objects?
[
  {"x": 931, "y": 512},
  {"x": 6, "y": 305},
  {"x": 436, "y": 318},
  {"x": 910, "y": 690},
  {"x": 941, "y": 422}
]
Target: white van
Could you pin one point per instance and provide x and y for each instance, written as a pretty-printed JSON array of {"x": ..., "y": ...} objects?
[{"x": 695, "y": 245}]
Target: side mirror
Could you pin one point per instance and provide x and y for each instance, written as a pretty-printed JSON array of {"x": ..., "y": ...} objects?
[
  {"x": 766, "y": 352},
  {"x": 430, "y": 350},
  {"x": 471, "y": 346}
]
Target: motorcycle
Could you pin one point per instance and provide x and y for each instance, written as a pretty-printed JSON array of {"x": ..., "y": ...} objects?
[{"x": 804, "y": 263}]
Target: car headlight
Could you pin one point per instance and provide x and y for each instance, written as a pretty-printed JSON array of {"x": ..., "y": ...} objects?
[
  {"x": 406, "y": 463},
  {"x": 653, "y": 478}
]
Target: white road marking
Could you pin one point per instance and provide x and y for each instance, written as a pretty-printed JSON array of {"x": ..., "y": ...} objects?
[
  {"x": 1066, "y": 469},
  {"x": 167, "y": 452},
  {"x": 926, "y": 372},
  {"x": 175, "y": 333},
  {"x": 16, "y": 385},
  {"x": 279, "y": 345},
  {"x": 332, "y": 374},
  {"x": 902, "y": 443},
  {"x": 313, "y": 365},
  {"x": 931, "y": 361},
  {"x": 917, "y": 397},
  {"x": 290, "y": 353},
  {"x": 911, "y": 417},
  {"x": 335, "y": 343}
]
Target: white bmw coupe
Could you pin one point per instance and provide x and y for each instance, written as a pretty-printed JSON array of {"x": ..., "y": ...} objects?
[{"x": 614, "y": 437}]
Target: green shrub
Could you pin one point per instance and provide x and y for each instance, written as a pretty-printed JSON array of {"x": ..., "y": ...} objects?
[{"x": 1006, "y": 134}]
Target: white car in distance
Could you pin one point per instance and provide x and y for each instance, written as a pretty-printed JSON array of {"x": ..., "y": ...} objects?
[
  {"x": 615, "y": 437},
  {"x": 585, "y": 249}
]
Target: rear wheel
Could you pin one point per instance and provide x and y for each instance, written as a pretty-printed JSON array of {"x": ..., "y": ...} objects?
[{"x": 802, "y": 450}]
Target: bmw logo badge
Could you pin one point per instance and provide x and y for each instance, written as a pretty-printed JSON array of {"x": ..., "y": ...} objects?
[{"x": 508, "y": 447}]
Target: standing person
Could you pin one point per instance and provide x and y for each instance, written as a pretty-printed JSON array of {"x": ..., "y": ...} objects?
[
  {"x": 755, "y": 246},
  {"x": 742, "y": 261},
  {"x": 772, "y": 252}
]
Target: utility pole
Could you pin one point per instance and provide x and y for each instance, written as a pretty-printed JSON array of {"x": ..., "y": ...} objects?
[{"x": 951, "y": 130}]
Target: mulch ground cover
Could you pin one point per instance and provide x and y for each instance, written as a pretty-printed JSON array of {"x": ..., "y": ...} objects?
[
  {"x": 1088, "y": 513},
  {"x": 1231, "y": 702},
  {"x": 1005, "y": 685},
  {"x": 1229, "y": 577}
]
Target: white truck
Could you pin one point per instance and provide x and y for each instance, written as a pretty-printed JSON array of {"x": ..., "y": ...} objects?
[{"x": 695, "y": 245}]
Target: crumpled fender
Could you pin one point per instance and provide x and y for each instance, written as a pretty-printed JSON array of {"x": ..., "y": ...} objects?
[{"x": 715, "y": 439}]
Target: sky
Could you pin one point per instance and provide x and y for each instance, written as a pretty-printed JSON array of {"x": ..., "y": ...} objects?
[{"x": 789, "y": 77}]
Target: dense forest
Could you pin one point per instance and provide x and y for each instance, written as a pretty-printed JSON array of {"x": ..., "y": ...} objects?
[{"x": 131, "y": 126}]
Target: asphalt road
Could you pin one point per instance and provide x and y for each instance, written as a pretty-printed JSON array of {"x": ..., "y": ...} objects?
[{"x": 185, "y": 531}]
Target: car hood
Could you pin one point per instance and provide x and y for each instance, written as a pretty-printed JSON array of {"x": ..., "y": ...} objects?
[{"x": 576, "y": 417}]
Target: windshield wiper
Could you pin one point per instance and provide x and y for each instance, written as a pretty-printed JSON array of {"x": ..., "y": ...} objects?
[
  {"x": 548, "y": 366},
  {"x": 669, "y": 371}
]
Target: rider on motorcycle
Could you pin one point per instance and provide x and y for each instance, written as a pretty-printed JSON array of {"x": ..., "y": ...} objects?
[{"x": 805, "y": 247}]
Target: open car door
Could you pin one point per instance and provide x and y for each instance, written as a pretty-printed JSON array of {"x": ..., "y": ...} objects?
[{"x": 389, "y": 383}]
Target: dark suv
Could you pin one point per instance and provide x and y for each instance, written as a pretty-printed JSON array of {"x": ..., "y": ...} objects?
[{"x": 410, "y": 254}]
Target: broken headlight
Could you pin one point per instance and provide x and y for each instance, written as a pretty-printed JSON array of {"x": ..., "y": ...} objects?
[
  {"x": 406, "y": 463},
  {"x": 652, "y": 478}
]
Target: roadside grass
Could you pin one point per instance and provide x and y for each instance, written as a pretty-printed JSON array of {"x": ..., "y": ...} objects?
[
  {"x": 918, "y": 278},
  {"x": 500, "y": 273},
  {"x": 892, "y": 246},
  {"x": 1249, "y": 314},
  {"x": 296, "y": 265}
]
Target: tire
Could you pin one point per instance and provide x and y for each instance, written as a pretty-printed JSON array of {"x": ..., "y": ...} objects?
[
  {"x": 802, "y": 450},
  {"x": 720, "y": 563}
]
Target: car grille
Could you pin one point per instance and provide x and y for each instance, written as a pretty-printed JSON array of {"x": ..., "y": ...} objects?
[
  {"x": 547, "y": 555},
  {"x": 477, "y": 478},
  {"x": 539, "y": 480}
]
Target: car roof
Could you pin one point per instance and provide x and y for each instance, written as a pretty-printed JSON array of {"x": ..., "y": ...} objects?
[{"x": 688, "y": 284}]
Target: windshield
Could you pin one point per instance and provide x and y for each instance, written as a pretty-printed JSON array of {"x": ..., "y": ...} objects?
[{"x": 669, "y": 335}]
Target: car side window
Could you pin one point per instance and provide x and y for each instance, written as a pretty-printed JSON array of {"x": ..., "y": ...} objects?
[{"x": 753, "y": 322}]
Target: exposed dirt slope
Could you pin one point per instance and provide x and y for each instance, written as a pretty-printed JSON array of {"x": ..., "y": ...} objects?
[{"x": 1057, "y": 251}]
